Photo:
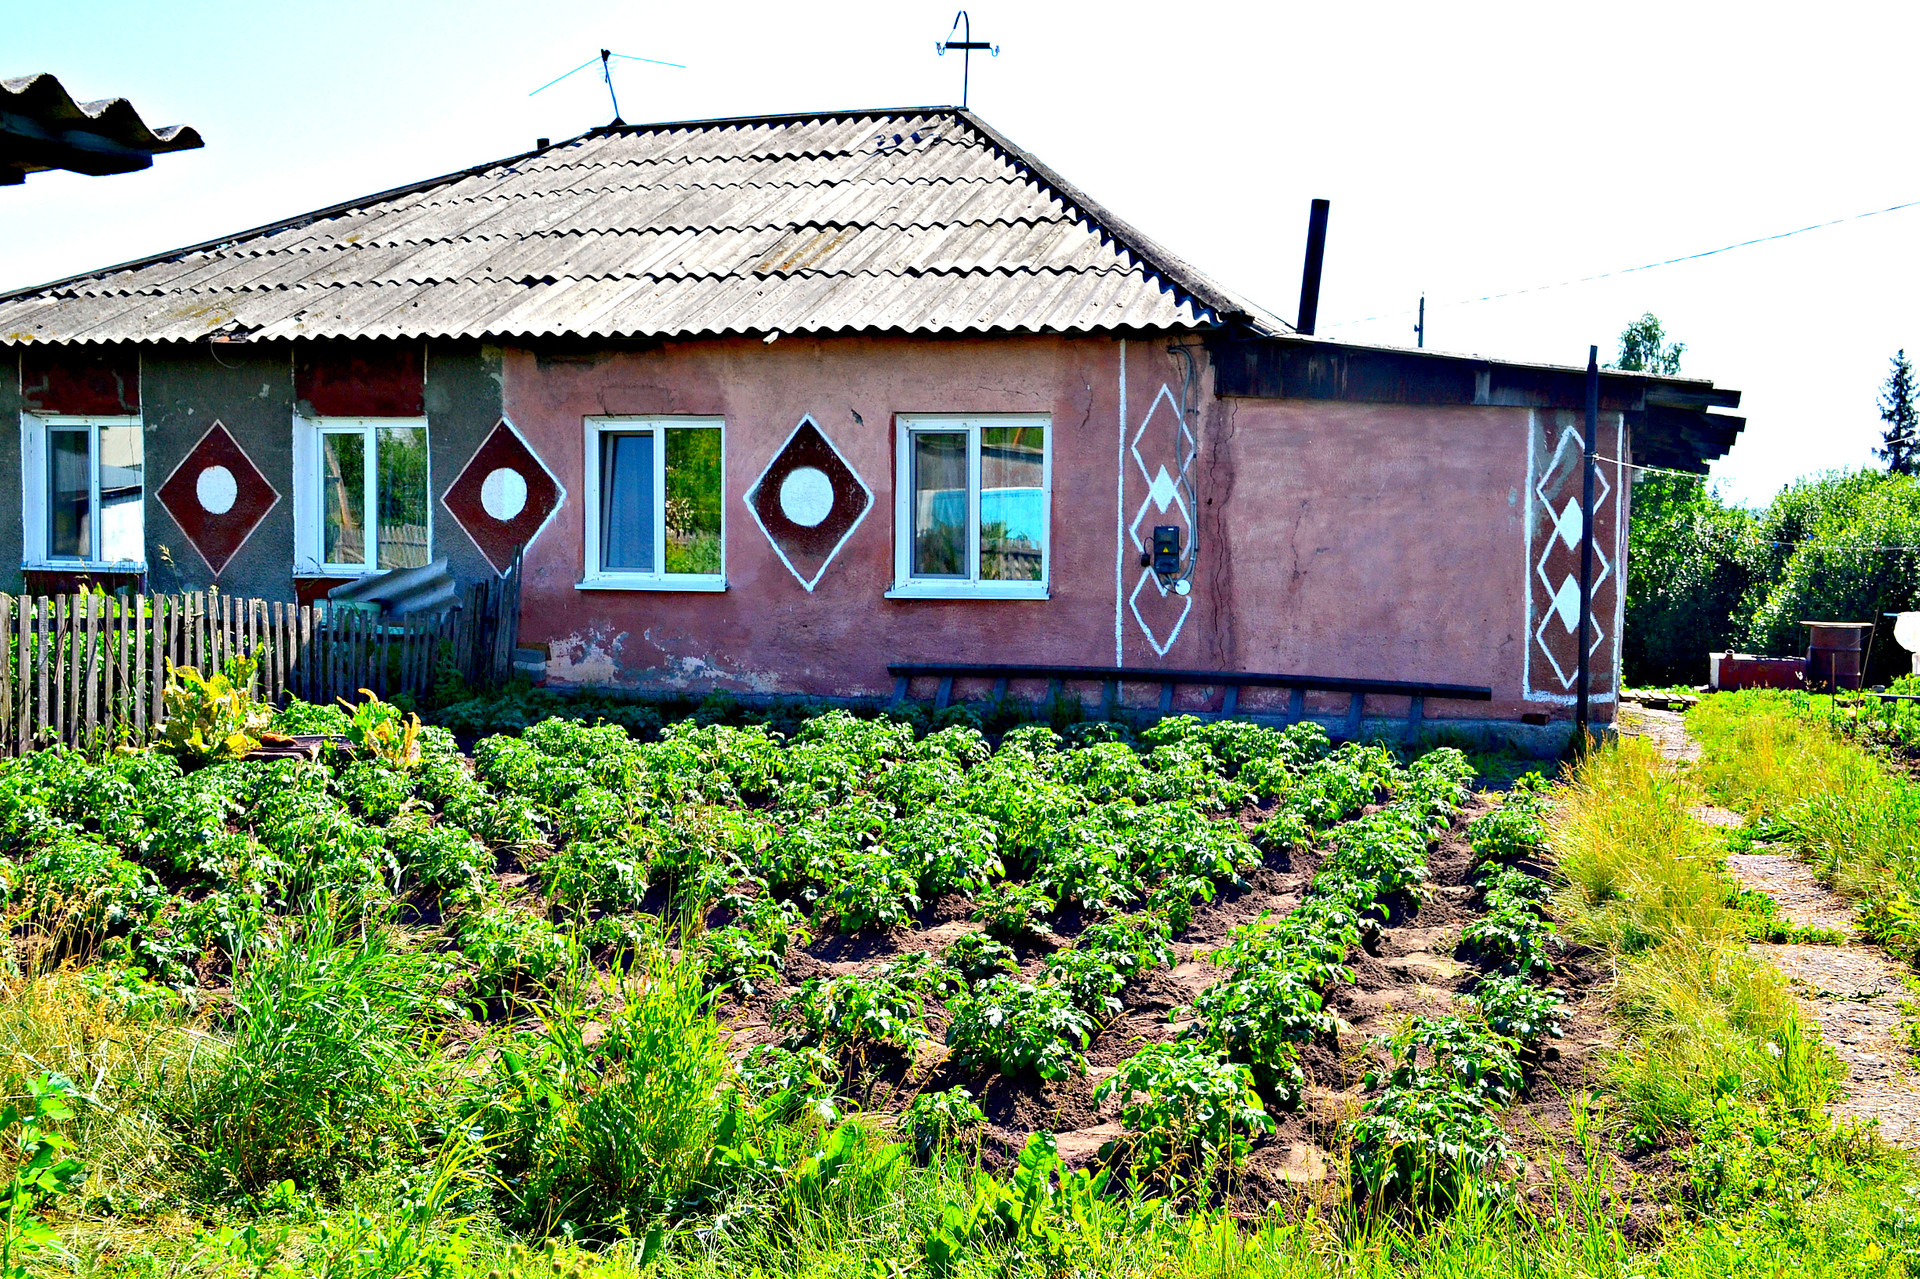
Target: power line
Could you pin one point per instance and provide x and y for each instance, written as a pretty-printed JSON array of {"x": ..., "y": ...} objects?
[{"x": 1646, "y": 266}]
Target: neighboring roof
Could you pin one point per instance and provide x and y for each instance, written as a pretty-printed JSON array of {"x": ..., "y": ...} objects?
[
  {"x": 1673, "y": 425},
  {"x": 42, "y": 127},
  {"x": 923, "y": 221}
]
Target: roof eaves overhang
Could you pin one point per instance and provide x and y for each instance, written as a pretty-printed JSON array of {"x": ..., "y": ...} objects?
[
  {"x": 1674, "y": 425},
  {"x": 42, "y": 128}
]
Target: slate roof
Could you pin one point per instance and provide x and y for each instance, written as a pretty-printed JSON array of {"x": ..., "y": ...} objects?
[
  {"x": 918, "y": 221},
  {"x": 42, "y": 127}
]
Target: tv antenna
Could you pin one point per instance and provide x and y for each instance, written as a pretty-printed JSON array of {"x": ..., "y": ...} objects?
[
  {"x": 606, "y": 73},
  {"x": 966, "y": 44}
]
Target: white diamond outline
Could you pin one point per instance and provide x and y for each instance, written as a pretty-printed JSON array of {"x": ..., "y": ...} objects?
[
  {"x": 806, "y": 419},
  {"x": 1191, "y": 445},
  {"x": 1566, "y": 680},
  {"x": 1133, "y": 603},
  {"x": 559, "y": 492},
  {"x": 218, "y": 425}
]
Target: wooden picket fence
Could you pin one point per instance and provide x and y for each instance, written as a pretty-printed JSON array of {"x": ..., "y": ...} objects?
[{"x": 87, "y": 669}]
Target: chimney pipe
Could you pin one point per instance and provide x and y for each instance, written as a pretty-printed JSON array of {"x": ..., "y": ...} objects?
[{"x": 1310, "y": 277}]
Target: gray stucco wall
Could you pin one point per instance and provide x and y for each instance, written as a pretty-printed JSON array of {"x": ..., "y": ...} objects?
[
  {"x": 250, "y": 390},
  {"x": 11, "y": 404},
  {"x": 183, "y": 392}
]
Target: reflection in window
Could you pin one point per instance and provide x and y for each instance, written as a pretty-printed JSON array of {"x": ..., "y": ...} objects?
[
  {"x": 93, "y": 489},
  {"x": 693, "y": 500},
  {"x": 939, "y": 504},
  {"x": 1012, "y": 502},
  {"x": 343, "y": 462},
  {"x": 401, "y": 494}
]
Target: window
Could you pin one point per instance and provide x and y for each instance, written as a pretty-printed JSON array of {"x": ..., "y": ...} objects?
[
  {"x": 973, "y": 499},
  {"x": 653, "y": 504},
  {"x": 365, "y": 488},
  {"x": 83, "y": 496}
]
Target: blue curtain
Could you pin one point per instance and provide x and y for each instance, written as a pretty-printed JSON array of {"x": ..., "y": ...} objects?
[{"x": 626, "y": 503}]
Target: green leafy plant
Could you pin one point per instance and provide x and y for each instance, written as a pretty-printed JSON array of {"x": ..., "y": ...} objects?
[
  {"x": 1014, "y": 910},
  {"x": 933, "y": 1119},
  {"x": 1187, "y": 1104},
  {"x": 381, "y": 732},
  {"x": 845, "y": 1012},
  {"x": 213, "y": 718},
  {"x": 42, "y": 1170},
  {"x": 1517, "y": 1009},
  {"x": 1014, "y": 1027},
  {"x": 1424, "y": 1145}
]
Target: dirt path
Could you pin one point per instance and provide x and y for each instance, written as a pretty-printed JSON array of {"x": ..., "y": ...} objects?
[{"x": 1853, "y": 992}]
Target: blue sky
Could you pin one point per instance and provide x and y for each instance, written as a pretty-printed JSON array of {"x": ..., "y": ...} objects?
[{"x": 1468, "y": 149}]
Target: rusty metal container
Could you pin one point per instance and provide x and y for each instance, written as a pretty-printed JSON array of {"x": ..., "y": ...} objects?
[
  {"x": 1837, "y": 655},
  {"x": 1730, "y": 671}
]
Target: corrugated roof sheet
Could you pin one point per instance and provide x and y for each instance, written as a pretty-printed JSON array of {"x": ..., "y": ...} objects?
[
  {"x": 42, "y": 127},
  {"x": 912, "y": 221}
]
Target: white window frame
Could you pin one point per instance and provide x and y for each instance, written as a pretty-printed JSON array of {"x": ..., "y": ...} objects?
[
  {"x": 592, "y": 576},
  {"x": 34, "y": 455},
  {"x": 908, "y": 587},
  {"x": 309, "y": 486}
]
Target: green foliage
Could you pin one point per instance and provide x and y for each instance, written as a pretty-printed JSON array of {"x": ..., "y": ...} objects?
[
  {"x": 1515, "y": 1008},
  {"x": 1014, "y": 1027},
  {"x": 846, "y": 1012},
  {"x": 933, "y": 1119},
  {"x": 1047, "y": 1221},
  {"x": 1424, "y": 1145},
  {"x": 213, "y": 718},
  {"x": 321, "y": 1067},
  {"x": 379, "y": 731},
  {"x": 1899, "y": 405},
  {"x": 1646, "y": 348},
  {"x": 42, "y": 1170},
  {"x": 1456, "y": 1053},
  {"x": 1187, "y": 1104},
  {"x": 1014, "y": 910},
  {"x": 974, "y": 957},
  {"x": 589, "y": 1138}
]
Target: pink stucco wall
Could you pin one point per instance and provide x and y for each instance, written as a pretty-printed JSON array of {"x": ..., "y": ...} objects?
[{"x": 1335, "y": 539}]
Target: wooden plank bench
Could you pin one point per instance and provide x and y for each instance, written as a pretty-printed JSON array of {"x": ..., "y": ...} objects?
[{"x": 904, "y": 673}]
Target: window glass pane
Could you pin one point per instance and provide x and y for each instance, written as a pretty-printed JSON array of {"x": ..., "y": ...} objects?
[
  {"x": 693, "y": 500},
  {"x": 1013, "y": 506},
  {"x": 939, "y": 503},
  {"x": 343, "y": 466},
  {"x": 70, "y": 495},
  {"x": 401, "y": 488},
  {"x": 626, "y": 503},
  {"x": 121, "y": 527}
]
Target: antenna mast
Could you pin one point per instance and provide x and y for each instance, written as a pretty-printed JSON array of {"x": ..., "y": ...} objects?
[
  {"x": 606, "y": 73},
  {"x": 966, "y": 44}
]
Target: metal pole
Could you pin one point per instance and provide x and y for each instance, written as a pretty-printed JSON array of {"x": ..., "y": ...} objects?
[
  {"x": 1420, "y": 329},
  {"x": 1582, "y": 694}
]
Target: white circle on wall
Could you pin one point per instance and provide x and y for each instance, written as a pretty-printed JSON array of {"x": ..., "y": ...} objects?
[
  {"x": 216, "y": 490},
  {"x": 503, "y": 494},
  {"x": 806, "y": 496}
]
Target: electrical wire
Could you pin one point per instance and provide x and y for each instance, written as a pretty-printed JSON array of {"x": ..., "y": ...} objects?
[{"x": 1646, "y": 266}]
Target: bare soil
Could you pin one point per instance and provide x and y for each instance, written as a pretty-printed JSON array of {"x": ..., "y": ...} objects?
[{"x": 1408, "y": 968}]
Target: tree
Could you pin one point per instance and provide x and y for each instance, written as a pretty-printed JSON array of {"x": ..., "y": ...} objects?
[
  {"x": 1644, "y": 348},
  {"x": 1900, "y": 410}
]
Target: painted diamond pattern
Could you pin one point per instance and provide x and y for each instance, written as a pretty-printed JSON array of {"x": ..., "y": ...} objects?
[
  {"x": 1159, "y": 612},
  {"x": 218, "y": 497},
  {"x": 504, "y": 496},
  {"x": 808, "y": 501},
  {"x": 1556, "y": 566}
]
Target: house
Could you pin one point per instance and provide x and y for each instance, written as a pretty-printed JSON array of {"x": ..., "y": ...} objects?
[{"x": 771, "y": 404}]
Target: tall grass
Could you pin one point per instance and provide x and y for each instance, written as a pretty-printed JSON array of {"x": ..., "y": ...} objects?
[
  {"x": 1778, "y": 759},
  {"x": 611, "y": 1113},
  {"x": 1646, "y": 884},
  {"x": 327, "y": 1066}
]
